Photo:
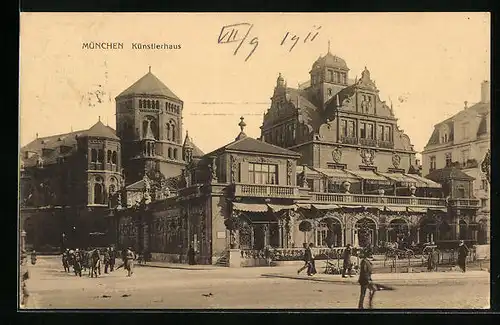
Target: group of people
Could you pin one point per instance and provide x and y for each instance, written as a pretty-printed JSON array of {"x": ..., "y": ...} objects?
[
  {"x": 92, "y": 259},
  {"x": 309, "y": 263}
]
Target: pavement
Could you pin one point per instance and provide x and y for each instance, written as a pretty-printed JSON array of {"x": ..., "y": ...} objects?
[{"x": 242, "y": 288}]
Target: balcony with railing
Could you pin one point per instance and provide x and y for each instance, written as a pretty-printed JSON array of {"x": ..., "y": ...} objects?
[
  {"x": 368, "y": 142},
  {"x": 377, "y": 200},
  {"x": 349, "y": 140},
  {"x": 266, "y": 190},
  {"x": 385, "y": 144},
  {"x": 465, "y": 203}
]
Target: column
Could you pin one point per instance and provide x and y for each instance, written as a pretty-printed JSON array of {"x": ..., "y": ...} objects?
[
  {"x": 418, "y": 235},
  {"x": 280, "y": 233},
  {"x": 266, "y": 234},
  {"x": 252, "y": 237}
]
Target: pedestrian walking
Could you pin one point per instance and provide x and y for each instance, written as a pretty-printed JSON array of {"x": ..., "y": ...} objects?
[
  {"x": 112, "y": 258},
  {"x": 347, "y": 265},
  {"x": 463, "y": 252},
  {"x": 129, "y": 261},
  {"x": 365, "y": 280},
  {"x": 191, "y": 255},
  {"x": 33, "y": 257},
  {"x": 106, "y": 260},
  {"x": 432, "y": 259},
  {"x": 306, "y": 259},
  {"x": 65, "y": 260},
  {"x": 311, "y": 269}
]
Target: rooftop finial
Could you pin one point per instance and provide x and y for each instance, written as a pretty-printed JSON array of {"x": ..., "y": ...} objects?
[
  {"x": 242, "y": 123},
  {"x": 328, "y": 46},
  {"x": 99, "y": 118},
  {"x": 150, "y": 69},
  {"x": 465, "y": 104},
  {"x": 37, "y": 135}
]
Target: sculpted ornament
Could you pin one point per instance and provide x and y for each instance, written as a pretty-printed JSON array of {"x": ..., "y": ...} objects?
[
  {"x": 367, "y": 156},
  {"x": 337, "y": 155},
  {"x": 396, "y": 160}
]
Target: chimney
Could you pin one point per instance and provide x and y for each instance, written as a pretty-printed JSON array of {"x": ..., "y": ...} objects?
[{"x": 485, "y": 91}]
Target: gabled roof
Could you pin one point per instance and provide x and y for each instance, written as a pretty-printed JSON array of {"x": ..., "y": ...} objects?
[
  {"x": 247, "y": 144},
  {"x": 149, "y": 84},
  {"x": 100, "y": 130},
  {"x": 480, "y": 108},
  {"x": 308, "y": 112},
  {"x": 448, "y": 173}
]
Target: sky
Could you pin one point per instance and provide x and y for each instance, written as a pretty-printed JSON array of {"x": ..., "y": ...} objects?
[{"x": 427, "y": 64}]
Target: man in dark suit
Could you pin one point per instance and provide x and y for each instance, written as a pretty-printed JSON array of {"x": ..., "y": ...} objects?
[
  {"x": 347, "y": 265},
  {"x": 307, "y": 258},
  {"x": 311, "y": 265},
  {"x": 463, "y": 252},
  {"x": 365, "y": 280}
]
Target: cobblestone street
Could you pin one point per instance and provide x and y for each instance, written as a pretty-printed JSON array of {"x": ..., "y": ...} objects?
[{"x": 164, "y": 288}]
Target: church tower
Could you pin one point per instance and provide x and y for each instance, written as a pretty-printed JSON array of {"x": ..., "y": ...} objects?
[
  {"x": 149, "y": 122},
  {"x": 329, "y": 75}
]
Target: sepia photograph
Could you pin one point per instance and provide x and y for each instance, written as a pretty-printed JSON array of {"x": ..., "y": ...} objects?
[{"x": 223, "y": 161}]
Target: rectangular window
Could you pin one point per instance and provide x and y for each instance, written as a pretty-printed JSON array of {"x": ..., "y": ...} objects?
[
  {"x": 484, "y": 203},
  {"x": 350, "y": 129},
  {"x": 380, "y": 132},
  {"x": 432, "y": 163},
  {"x": 330, "y": 75},
  {"x": 484, "y": 184},
  {"x": 387, "y": 133},
  {"x": 362, "y": 130},
  {"x": 344, "y": 79},
  {"x": 448, "y": 159},
  {"x": 337, "y": 77},
  {"x": 369, "y": 131},
  {"x": 262, "y": 173},
  {"x": 465, "y": 130},
  {"x": 465, "y": 156},
  {"x": 343, "y": 128}
]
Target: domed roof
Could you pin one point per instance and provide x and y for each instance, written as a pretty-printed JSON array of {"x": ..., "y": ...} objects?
[{"x": 331, "y": 61}]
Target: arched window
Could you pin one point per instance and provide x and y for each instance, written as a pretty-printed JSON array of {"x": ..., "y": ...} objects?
[
  {"x": 170, "y": 153},
  {"x": 112, "y": 189},
  {"x": 114, "y": 157},
  {"x": 168, "y": 131},
  {"x": 149, "y": 103},
  {"x": 175, "y": 153},
  {"x": 157, "y": 104},
  {"x": 140, "y": 103},
  {"x": 173, "y": 132},
  {"x": 98, "y": 194},
  {"x": 100, "y": 156},
  {"x": 108, "y": 158},
  {"x": 93, "y": 155}
]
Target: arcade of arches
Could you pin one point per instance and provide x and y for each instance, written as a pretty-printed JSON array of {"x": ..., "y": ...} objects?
[{"x": 258, "y": 230}]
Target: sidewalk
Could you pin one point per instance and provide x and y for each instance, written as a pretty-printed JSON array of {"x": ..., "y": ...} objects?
[
  {"x": 180, "y": 266},
  {"x": 390, "y": 278}
]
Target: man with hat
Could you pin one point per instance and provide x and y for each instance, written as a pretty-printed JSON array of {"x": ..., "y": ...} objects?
[
  {"x": 347, "y": 265},
  {"x": 365, "y": 279},
  {"x": 463, "y": 252}
]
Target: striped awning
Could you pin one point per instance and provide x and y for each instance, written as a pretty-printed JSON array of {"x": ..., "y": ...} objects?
[
  {"x": 337, "y": 175},
  {"x": 306, "y": 206},
  {"x": 370, "y": 177},
  {"x": 395, "y": 209},
  {"x": 424, "y": 182},
  {"x": 279, "y": 207},
  {"x": 400, "y": 178},
  {"x": 250, "y": 207},
  {"x": 417, "y": 210},
  {"x": 326, "y": 206}
]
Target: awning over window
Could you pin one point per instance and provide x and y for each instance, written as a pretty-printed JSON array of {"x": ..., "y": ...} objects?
[
  {"x": 337, "y": 175},
  {"x": 352, "y": 206},
  {"x": 326, "y": 206},
  {"x": 304, "y": 206},
  {"x": 309, "y": 172},
  {"x": 370, "y": 177},
  {"x": 417, "y": 210},
  {"x": 439, "y": 209},
  {"x": 423, "y": 182},
  {"x": 250, "y": 207},
  {"x": 400, "y": 178},
  {"x": 279, "y": 207},
  {"x": 396, "y": 209}
]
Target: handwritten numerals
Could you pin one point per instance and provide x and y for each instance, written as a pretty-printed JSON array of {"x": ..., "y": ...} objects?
[
  {"x": 292, "y": 39},
  {"x": 238, "y": 33}
]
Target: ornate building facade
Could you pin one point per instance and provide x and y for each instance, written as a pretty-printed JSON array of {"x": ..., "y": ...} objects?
[
  {"x": 67, "y": 183},
  {"x": 463, "y": 141}
]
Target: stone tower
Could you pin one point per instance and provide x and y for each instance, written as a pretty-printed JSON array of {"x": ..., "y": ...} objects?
[{"x": 149, "y": 122}]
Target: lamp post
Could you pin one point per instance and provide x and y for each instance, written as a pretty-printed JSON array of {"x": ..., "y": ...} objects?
[{"x": 23, "y": 240}]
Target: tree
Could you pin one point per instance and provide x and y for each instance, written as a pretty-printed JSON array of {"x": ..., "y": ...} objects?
[{"x": 305, "y": 226}]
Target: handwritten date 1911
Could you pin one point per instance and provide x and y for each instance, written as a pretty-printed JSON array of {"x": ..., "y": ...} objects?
[
  {"x": 293, "y": 38},
  {"x": 238, "y": 33}
]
